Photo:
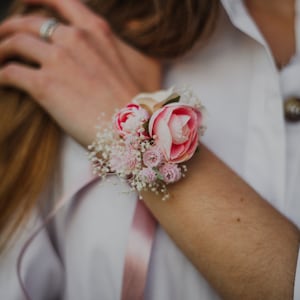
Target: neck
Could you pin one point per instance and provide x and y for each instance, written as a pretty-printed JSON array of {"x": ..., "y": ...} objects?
[
  {"x": 277, "y": 7},
  {"x": 276, "y": 21}
]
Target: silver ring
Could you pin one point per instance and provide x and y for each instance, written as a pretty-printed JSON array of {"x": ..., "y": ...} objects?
[{"x": 47, "y": 29}]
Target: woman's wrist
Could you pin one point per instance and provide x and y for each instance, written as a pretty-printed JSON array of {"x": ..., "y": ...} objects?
[
  {"x": 150, "y": 140},
  {"x": 221, "y": 224}
]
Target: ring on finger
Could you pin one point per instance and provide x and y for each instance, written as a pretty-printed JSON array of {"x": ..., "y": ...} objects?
[{"x": 47, "y": 29}]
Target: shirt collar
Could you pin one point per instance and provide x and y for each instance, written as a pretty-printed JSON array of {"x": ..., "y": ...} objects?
[{"x": 241, "y": 19}]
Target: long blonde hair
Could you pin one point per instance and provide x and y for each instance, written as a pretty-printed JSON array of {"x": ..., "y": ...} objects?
[{"x": 30, "y": 139}]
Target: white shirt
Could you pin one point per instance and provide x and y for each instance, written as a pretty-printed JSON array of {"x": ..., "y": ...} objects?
[
  {"x": 81, "y": 255},
  {"x": 253, "y": 138}
]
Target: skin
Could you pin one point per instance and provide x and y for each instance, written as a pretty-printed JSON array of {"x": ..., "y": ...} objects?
[
  {"x": 275, "y": 20},
  {"x": 241, "y": 244},
  {"x": 73, "y": 68}
]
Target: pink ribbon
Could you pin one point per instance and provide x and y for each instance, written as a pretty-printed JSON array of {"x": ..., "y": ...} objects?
[
  {"x": 138, "y": 253},
  {"x": 48, "y": 219},
  {"x": 138, "y": 250}
]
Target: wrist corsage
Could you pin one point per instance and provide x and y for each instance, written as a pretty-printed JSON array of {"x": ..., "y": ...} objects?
[{"x": 149, "y": 140}]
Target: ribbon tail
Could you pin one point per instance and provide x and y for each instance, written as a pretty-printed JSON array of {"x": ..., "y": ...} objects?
[
  {"x": 138, "y": 253},
  {"x": 48, "y": 219}
]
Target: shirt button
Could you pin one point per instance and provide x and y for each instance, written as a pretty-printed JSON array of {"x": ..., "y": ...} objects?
[{"x": 292, "y": 109}]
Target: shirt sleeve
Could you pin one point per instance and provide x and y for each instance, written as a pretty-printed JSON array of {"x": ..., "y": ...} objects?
[{"x": 297, "y": 279}]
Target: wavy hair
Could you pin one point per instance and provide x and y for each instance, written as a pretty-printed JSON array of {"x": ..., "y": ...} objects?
[{"x": 30, "y": 139}]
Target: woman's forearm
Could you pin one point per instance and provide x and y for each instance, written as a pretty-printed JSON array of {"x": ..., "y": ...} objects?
[{"x": 243, "y": 246}]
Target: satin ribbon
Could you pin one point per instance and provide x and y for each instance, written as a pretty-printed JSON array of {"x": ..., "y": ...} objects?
[
  {"x": 138, "y": 252},
  {"x": 61, "y": 203}
]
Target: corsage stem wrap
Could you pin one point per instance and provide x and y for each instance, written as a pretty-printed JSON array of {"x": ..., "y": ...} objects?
[{"x": 150, "y": 139}]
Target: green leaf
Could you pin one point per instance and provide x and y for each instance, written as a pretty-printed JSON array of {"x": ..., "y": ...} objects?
[
  {"x": 159, "y": 176},
  {"x": 146, "y": 126},
  {"x": 173, "y": 100}
]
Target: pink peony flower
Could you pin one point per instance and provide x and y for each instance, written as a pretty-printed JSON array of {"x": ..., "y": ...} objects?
[
  {"x": 148, "y": 175},
  {"x": 152, "y": 157},
  {"x": 174, "y": 128},
  {"x": 130, "y": 119},
  {"x": 170, "y": 173}
]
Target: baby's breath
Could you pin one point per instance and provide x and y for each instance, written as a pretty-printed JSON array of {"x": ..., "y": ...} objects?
[{"x": 126, "y": 149}]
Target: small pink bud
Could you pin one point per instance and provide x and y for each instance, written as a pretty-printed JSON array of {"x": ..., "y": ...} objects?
[
  {"x": 170, "y": 173},
  {"x": 152, "y": 157}
]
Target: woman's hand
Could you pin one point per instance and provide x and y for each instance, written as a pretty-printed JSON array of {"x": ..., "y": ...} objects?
[{"x": 82, "y": 71}]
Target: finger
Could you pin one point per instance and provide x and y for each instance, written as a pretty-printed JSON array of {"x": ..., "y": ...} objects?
[
  {"x": 79, "y": 42},
  {"x": 26, "y": 47},
  {"x": 20, "y": 76},
  {"x": 75, "y": 12},
  {"x": 31, "y": 25},
  {"x": 66, "y": 36},
  {"x": 80, "y": 16}
]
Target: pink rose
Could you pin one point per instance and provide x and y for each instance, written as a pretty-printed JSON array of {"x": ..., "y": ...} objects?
[
  {"x": 174, "y": 128},
  {"x": 130, "y": 119}
]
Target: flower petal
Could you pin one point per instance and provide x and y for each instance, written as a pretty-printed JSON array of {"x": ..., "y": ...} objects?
[{"x": 179, "y": 130}]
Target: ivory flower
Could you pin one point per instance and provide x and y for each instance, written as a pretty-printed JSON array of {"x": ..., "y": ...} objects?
[{"x": 153, "y": 101}]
